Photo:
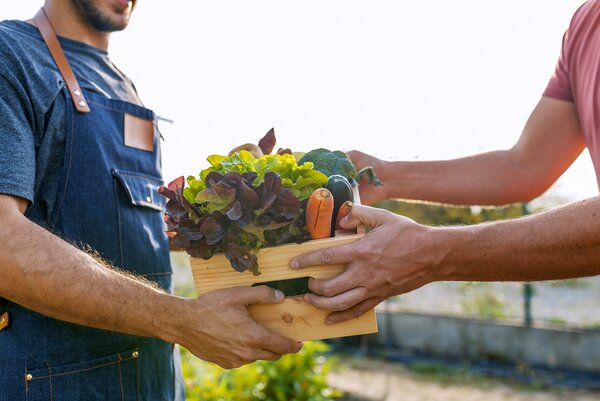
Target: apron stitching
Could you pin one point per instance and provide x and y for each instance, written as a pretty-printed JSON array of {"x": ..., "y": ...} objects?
[
  {"x": 140, "y": 175},
  {"x": 121, "y": 379},
  {"x": 50, "y": 381},
  {"x": 117, "y": 110},
  {"x": 157, "y": 274},
  {"x": 115, "y": 189},
  {"x": 70, "y": 151},
  {"x": 81, "y": 370},
  {"x": 26, "y": 386},
  {"x": 137, "y": 366}
]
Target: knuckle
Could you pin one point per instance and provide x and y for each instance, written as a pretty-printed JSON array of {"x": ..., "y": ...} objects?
[
  {"x": 326, "y": 256},
  {"x": 254, "y": 339},
  {"x": 327, "y": 290},
  {"x": 267, "y": 292},
  {"x": 247, "y": 355},
  {"x": 343, "y": 305},
  {"x": 366, "y": 275}
]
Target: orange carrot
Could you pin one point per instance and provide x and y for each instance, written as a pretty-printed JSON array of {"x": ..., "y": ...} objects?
[
  {"x": 319, "y": 212},
  {"x": 343, "y": 212}
]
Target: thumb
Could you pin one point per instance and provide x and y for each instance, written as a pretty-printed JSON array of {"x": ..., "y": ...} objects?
[
  {"x": 259, "y": 295},
  {"x": 364, "y": 216}
]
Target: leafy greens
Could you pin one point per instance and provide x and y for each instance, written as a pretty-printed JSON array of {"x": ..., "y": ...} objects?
[{"x": 240, "y": 204}]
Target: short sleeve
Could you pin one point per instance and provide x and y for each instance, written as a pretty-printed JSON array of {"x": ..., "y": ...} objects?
[
  {"x": 17, "y": 144},
  {"x": 559, "y": 86}
]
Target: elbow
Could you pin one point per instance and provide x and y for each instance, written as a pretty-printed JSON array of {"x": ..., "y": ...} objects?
[{"x": 526, "y": 190}]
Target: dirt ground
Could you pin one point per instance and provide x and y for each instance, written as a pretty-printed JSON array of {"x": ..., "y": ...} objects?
[{"x": 367, "y": 379}]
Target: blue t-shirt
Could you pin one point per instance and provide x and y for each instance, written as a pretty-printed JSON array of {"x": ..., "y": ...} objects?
[{"x": 33, "y": 110}]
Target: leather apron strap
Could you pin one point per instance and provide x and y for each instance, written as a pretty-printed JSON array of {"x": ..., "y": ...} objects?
[{"x": 49, "y": 36}]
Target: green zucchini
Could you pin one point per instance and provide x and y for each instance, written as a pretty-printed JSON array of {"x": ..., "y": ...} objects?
[{"x": 340, "y": 188}]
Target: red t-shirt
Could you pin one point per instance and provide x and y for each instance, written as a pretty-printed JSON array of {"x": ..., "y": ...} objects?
[{"x": 577, "y": 75}]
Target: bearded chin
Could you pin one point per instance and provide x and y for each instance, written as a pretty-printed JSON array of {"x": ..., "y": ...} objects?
[{"x": 88, "y": 11}]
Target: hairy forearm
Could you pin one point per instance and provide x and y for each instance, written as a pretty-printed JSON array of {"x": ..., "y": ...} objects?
[
  {"x": 557, "y": 244},
  {"x": 44, "y": 273},
  {"x": 491, "y": 178}
]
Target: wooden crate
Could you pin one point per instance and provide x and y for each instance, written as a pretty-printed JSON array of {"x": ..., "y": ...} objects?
[{"x": 293, "y": 318}]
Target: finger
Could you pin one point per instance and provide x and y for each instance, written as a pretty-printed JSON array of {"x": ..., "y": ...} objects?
[
  {"x": 340, "y": 302},
  {"x": 333, "y": 286},
  {"x": 267, "y": 355},
  {"x": 364, "y": 215},
  {"x": 280, "y": 345},
  {"x": 352, "y": 313},
  {"x": 357, "y": 157},
  {"x": 258, "y": 295},
  {"x": 328, "y": 256}
]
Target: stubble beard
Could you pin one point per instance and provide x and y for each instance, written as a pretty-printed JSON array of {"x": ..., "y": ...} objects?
[{"x": 91, "y": 14}]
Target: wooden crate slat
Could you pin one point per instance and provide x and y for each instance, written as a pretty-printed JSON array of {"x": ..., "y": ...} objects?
[{"x": 293, "y": 318}]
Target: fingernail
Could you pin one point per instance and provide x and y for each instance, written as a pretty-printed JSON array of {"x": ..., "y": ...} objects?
[
  {"x": 329, "y": 321},
  {"x": 294, "y": 264},
  {"x": 279, "y": 295}
]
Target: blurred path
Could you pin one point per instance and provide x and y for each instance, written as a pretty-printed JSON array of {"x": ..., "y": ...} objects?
[{"x": 369, "y": 379}]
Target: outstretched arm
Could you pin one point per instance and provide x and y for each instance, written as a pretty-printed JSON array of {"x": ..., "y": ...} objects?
[
  {"x": 43, "y": 273},
  {"x": 399, "y": 255},
  {"x": 551, "y": 140}
]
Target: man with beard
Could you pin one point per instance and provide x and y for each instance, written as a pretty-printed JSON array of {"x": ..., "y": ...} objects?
[{"x": 80, "y": 169}]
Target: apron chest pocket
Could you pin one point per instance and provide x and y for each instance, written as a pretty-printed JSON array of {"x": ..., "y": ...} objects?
[
  {"x": 141, "y": 189},
  {"x": 142, "y": 242},
  {"x": 113, "y": 377}
]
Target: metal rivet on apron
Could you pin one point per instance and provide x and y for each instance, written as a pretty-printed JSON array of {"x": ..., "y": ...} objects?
[
  {"x": 81, "y": 103},
  {"x": 29, "y": 377},
  {"x": 77, "y": 93},
  {"x": 135, "y": 354},
  {"x": 148, "y": 199},
  {"x": 4, "y": 319}
]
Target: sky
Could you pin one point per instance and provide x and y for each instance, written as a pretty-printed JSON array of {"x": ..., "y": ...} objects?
[{"x": 410, "y": 80}]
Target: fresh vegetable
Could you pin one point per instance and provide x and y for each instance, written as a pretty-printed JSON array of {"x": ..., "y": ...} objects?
[
  {"x": 343, "y": 212},
  {"x": 341, "y": 190},
  {"x": 240, "y": 204},
  {"x": 267, "y": 142},
  {"x": 337, "y": 162},
  {"x": 302, "y": 180},
  {"x": 250, "y": 147},
  {"x": 319, "y": 213}
]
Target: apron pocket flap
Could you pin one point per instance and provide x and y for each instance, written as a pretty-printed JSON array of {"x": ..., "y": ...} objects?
[{"x": 142, "y": 189}]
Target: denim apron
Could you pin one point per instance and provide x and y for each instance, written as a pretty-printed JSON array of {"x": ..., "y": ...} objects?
[{"x": 107, "y": 201}]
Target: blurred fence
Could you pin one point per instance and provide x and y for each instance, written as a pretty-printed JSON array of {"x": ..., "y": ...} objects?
[{"x": 573, "y": 304}]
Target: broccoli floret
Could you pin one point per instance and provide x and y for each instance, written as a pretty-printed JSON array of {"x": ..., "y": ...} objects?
[{"x": 337, "y": 162}]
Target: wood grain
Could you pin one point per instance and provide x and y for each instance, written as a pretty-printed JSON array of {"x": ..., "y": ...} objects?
[{"x": 293, "y": 318}]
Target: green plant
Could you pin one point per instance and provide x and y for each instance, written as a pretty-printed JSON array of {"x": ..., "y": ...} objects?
[
  {"x": 483, "y": 301},
  {"x": 295, "y": 377}
]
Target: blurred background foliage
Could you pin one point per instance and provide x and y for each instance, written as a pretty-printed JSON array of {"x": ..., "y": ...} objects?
[{"x": 296, "y": 377}]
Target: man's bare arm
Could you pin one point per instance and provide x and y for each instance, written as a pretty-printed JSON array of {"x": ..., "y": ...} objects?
[
  {"x": 44, "y": 273},
  {"x": 551, "y": 140},
  {"x": 398, "y": 255}
]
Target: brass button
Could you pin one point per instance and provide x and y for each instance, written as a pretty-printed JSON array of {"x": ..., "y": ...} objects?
[
  {"x": 29, "y": 377},
  {"x": 77, "y": 93},
  {"x": 4, "y": 320},
  {"x": 148, "y": 199},
  {"x": 135, "y": 354},
  {"x": 81, "y": 103}
]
